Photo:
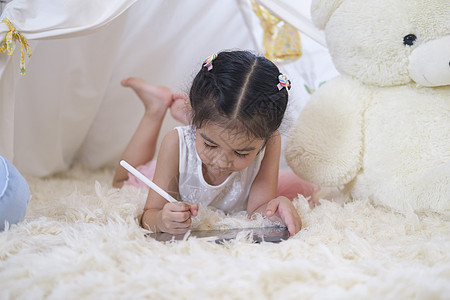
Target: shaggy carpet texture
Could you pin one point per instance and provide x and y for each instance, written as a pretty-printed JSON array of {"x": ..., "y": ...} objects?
[{"x": 81, "y": 240}]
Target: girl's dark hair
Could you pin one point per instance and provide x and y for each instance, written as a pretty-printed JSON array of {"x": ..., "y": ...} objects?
[{"x": 240, "y": 92}]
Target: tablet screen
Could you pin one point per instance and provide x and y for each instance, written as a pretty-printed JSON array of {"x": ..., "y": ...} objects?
[{"x": 266, "y": 234}]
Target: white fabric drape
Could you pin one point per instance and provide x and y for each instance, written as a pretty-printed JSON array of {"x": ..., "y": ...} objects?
[{"x": 40, "y": 19}]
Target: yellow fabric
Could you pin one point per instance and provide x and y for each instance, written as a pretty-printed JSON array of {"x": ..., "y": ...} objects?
[
  {"x": 281, "y": 40},
  {"x": 8, "y": 46}
]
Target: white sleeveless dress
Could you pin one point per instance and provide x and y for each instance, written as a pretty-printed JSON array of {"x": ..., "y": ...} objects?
[{"x": 230, "y": 196}]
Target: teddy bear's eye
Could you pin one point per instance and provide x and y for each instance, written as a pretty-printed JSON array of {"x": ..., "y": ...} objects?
[{"x": 409, "y": 39}]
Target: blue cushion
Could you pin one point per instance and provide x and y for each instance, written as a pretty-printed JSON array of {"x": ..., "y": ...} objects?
[{"x": 14, "y": 194}]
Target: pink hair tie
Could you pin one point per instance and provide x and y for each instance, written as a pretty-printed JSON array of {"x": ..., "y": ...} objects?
[
  {"x": 283, "y": 82},
  {"x": 208, "y": 62}
]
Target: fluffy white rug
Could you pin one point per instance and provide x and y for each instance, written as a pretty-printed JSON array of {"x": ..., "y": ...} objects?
[{"x": 81, "y": 240}]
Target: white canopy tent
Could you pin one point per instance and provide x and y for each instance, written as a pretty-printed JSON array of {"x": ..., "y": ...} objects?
[{"x": 70, "y": 105}]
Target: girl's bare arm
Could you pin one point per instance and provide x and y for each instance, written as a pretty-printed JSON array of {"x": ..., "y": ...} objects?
[
  {"x": 262, "y": 198},
  {"x": 265, "y": 185},
  {"x": 159, "y": 214}
]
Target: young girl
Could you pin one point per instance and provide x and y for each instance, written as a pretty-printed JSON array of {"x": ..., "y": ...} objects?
[{"x": 228, "y": 157}]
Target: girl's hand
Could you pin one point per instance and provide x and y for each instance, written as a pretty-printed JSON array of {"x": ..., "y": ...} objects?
[
  {"x": 175, "y": 218},
  {"x": 282, "y": 209}
]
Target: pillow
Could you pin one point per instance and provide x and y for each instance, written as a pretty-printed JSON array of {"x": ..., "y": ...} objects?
[{"x": 14, "y": 194}]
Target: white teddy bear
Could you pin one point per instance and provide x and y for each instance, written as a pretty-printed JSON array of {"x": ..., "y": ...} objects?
[{"x": 381, "y": 130}]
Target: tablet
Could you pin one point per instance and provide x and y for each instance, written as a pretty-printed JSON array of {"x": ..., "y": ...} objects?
[{"x": 260, "y": 234}]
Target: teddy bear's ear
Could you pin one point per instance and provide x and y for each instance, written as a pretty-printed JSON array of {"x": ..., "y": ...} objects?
[{"x": 321, "y": 11}]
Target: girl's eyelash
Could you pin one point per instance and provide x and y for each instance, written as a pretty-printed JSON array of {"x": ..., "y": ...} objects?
[
  {"x": 210, "y": 146},
  {"x": 240, "y": 154}
]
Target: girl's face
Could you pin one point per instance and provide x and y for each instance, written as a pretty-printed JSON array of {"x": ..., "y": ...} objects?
[{"x": 223, "y": 150}]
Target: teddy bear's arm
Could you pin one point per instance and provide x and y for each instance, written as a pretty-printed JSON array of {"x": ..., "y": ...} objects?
[{"x": 326, "y": 143}]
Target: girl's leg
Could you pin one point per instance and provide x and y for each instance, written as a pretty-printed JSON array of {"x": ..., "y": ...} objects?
[
  {"x": 180, "y": 111},
  {"x": 181, "y": 108},
  {"x": 142, "y": 146}
]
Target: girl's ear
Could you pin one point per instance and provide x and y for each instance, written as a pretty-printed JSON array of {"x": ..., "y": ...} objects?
[{"x": 321, "y": 11}]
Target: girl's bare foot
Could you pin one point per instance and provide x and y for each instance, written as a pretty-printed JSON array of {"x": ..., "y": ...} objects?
[
  {"x": 181, "y": 108},
  {"x": 156, "y": 99}
]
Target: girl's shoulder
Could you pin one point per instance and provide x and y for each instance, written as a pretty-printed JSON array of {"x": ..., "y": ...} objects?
[
  {"x": 170, "y": 144},
  {"x": 274, "y": 142},
  {"x": 171, "y": 138}
]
